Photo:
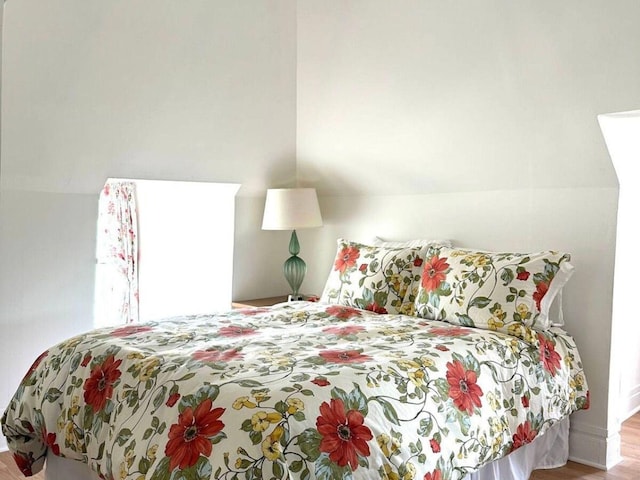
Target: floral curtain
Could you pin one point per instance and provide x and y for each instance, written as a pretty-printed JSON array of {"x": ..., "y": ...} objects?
[{"x": 116, "y": 292}]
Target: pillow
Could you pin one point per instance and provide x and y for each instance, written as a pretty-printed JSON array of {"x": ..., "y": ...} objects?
[
  {"x": 494, "y": 291},
  {"x": 376, "y": 278},
  {"x": 380, "y": 242}
]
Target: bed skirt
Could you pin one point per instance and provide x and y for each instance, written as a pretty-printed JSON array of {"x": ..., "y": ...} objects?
[{"x": 550, "y": 450}]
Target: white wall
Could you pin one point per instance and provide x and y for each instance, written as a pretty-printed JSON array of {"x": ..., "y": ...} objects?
[
  {"x": 622, "y": 134},
  {"x": 155, "y": 89},
  {"x": 476, "y": 121}
]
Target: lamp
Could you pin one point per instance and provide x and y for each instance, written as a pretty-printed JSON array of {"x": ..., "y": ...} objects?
[{"x": 290, "y": 209}]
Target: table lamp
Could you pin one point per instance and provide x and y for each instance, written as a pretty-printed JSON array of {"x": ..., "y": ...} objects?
[{"x": 291, "y": 209}]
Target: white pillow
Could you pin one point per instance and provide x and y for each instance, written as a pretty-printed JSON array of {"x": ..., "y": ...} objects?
[{"x": 380, "y": 242}]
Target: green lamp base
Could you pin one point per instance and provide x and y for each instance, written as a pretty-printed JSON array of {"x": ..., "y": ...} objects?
[{"x": 294, "y": 268}]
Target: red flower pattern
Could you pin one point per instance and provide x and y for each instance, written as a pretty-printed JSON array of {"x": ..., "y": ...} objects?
[
  {"x": 344, "y": 356},
  {"x": 343, "y": 313},
  {"x": 434, "y": 273},
  {"x": 524, "y": 434},
  {"x": 548, "y": 356},
  {"x": 463, "y": 388},
  {"x": 98, "y": 388},
  {"x": 344, "y": 331},
  {"x": 344, "y": 434},
  {"x": 130, "y": 330},
  {"x": 523, "y": 275},
  {"x": 85, "y": 361},
  {"x": 173, "y": 399},
  {"x": 217, "y": 355},
  {"x": 190, "y": 437},
  {"x": 541, "y": 290},
  {"x": 450, "y": 331},
  {"x": 346, "y": 258},
  {"x": 35, "y": 364},
  {"x": 236, "y": 331},
  {"x": 50, "y": 441},
  {"x": 375, "y": 308},
  {"x": 435, "y": 475},
  {"x": 435, "y": 445},
  {"x": 24, "y": 462},
  {"x": 252, "y": 311},
  {"x": 321, "y": 381}
]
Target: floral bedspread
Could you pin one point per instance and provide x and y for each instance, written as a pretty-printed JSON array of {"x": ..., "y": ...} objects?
[{"x": 298, "y": 391}]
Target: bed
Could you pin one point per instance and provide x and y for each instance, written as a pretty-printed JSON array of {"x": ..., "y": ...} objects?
[{"x": 406, "y": 388}]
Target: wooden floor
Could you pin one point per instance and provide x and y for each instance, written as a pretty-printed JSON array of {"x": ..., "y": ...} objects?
[{"x": 628, "y": 469}]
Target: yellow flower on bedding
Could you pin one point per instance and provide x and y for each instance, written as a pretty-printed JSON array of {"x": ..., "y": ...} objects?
[
  {"x": 480, "y": 260},
  {"x": 407, "y": 308},
  {"x": 427, "y": 362},
  {"x": 514, "y": 345},
  {"x": 152, "y": 451},
  {"x": 72, "y": 342},
  {"x": 417, "y": 377},
  {"x": 493, "y": 401},
  {"x": 70, "y": 434},
  {"x": 407, "y": 364},
  {"x": 149, "y": 368},
  {"x": 260, "y": 421},
  {"x": 569, "y": 359},
  {"x": 390, "y": 332},
  {"x": 75, "y": 406},
  {"x": 517, "y": 330},
  {"x": 129, "y": 457},
  {"x": 271, "y": 447},
  {"x": 497, "y": 444},
  {"x": 397, "y": 285},
  {"x": 523, "y": 310},
  {"x": 299, "y": 317},
  {"x": 260, "y": 395},
  {"x": 295, "y": 405},
  {"x": 388, "y": 445},
  {"x": 243, "y": 402},
  {"x": 389, "y": 473},
  {"x": 410, "y": 472},
  {"x": 494, "y": 323}
]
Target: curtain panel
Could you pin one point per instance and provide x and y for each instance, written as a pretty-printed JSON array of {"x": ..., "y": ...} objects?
[{"x": 116, "y": 291}]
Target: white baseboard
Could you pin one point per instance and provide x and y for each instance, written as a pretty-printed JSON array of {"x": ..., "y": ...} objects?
[
  {"x": 631, "y": 405},
  {"x": 594, "y": 446}
]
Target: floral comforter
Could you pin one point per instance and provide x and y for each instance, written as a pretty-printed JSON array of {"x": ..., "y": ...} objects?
[{"x": 298, "y": 391}]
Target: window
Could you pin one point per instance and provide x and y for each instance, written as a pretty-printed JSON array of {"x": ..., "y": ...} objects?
[{"x": 185, "y": 248}]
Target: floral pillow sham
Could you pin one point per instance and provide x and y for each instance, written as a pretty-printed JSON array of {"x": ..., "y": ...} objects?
[
  {"x": 494, "y": 291},
  {"x": 376, "y": 278}
]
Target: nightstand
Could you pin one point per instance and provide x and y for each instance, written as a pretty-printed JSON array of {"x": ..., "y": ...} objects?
[{"x": 259, "y": 302}]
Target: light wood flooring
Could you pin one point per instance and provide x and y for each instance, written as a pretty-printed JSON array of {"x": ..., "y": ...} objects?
[{"x": 628, "y": 469}]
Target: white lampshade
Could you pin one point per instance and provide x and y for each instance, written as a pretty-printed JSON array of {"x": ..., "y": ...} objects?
[{"x": 291, "y": 208}]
